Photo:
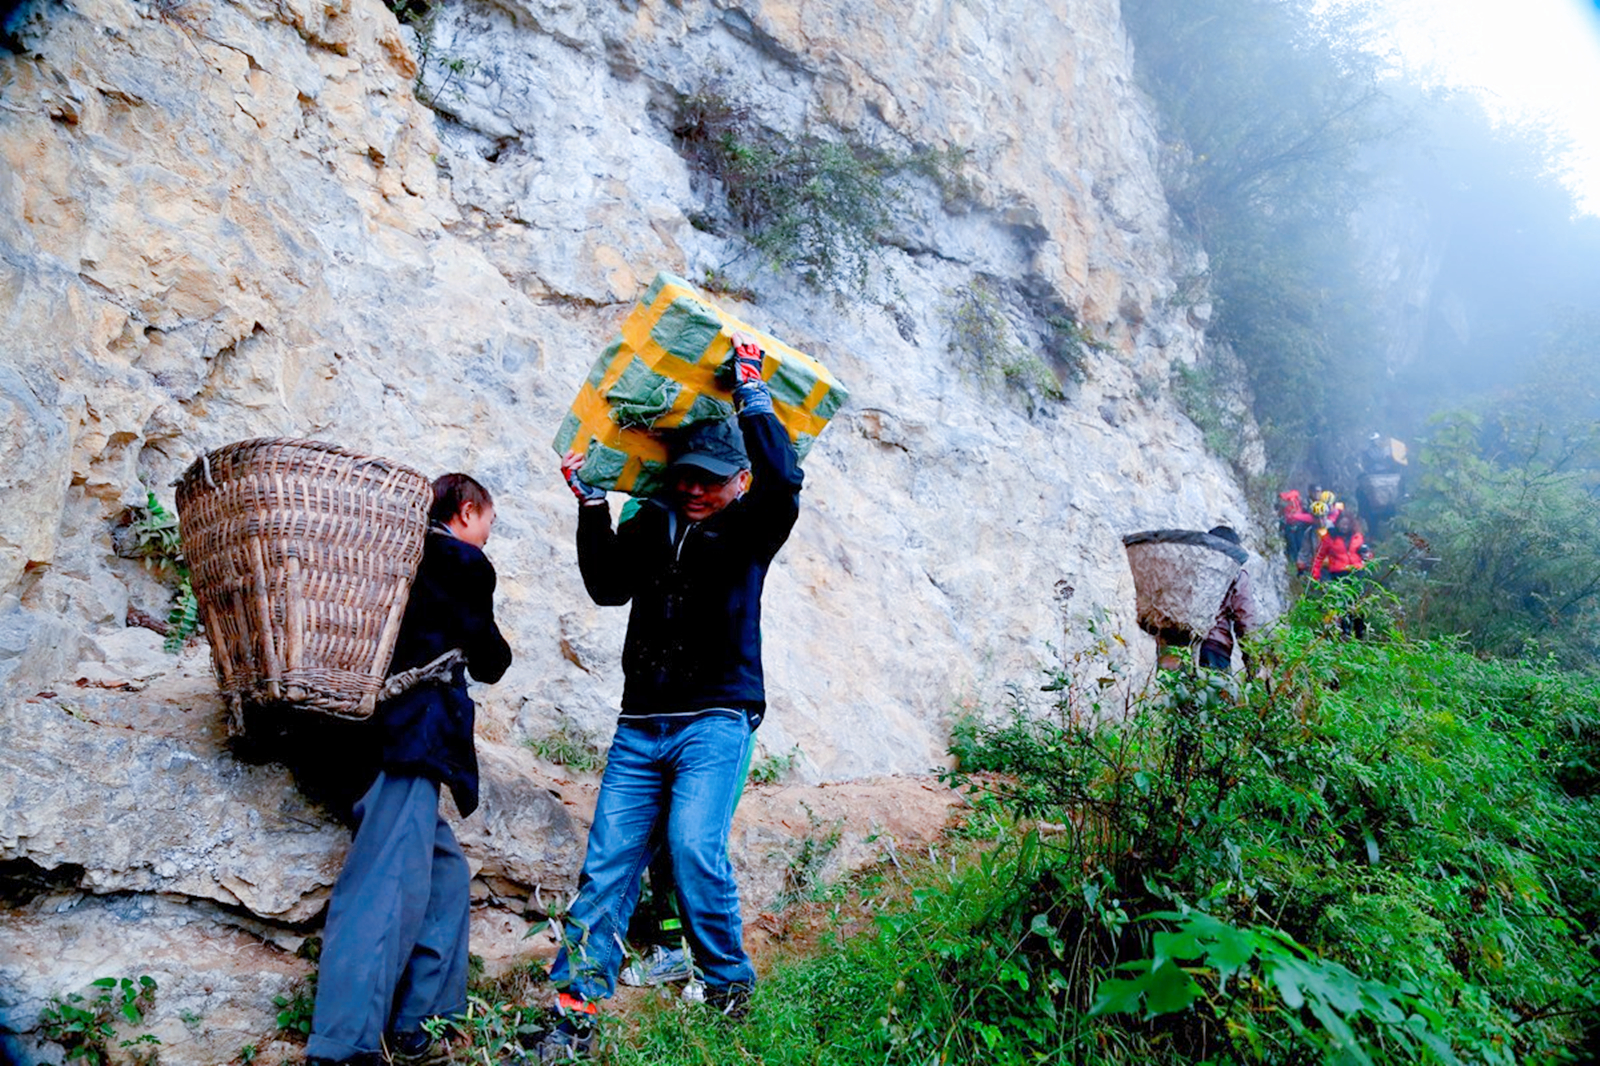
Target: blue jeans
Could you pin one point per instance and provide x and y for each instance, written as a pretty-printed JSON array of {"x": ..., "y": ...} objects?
[{"x": 685, "y": 776}]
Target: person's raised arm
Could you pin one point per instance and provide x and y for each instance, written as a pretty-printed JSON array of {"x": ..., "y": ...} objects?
[
  {"x": 774, "y": 496},
  {"x": 605, "y": 575}
]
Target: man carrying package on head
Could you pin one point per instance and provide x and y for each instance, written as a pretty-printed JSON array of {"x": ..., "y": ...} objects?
[{"x": 692, "y": 562}]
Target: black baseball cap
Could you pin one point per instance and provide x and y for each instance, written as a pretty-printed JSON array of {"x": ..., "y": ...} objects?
[{"x": 715, "y": 447}]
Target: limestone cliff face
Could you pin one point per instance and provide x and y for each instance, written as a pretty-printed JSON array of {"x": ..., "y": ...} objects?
[{"x": 223, "y": 219}]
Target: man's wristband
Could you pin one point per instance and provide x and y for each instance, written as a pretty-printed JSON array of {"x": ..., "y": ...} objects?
[{"x": 752, "y": 398}]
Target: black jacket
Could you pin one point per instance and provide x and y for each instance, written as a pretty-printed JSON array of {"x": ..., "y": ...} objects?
[
  {"x": 427, "y": 731},
  {"x": 694, "y": 633}
]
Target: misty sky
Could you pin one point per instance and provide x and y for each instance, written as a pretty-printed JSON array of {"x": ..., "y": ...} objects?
[{"x": 1533, "y": 57}]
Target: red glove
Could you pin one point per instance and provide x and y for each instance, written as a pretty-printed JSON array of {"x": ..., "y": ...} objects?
[
  {"x": 585, "y": 492},
  {"x": 747, "y": 359}
]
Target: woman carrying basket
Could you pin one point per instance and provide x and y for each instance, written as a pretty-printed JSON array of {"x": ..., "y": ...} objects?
[{"x": 395, "y": 944}]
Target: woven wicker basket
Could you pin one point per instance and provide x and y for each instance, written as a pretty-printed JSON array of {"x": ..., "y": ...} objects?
[
  {"x": 1180, "y": 577},
  {"x": 302, "y": 556}
]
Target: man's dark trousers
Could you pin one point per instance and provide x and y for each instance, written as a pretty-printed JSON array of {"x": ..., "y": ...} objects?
[{"x": 396, "y": 935}]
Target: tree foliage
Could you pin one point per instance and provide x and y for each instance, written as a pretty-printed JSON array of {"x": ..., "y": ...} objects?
[
  {"x": 1267, "y": 111},
  {"x": 1507, "y": 505}
]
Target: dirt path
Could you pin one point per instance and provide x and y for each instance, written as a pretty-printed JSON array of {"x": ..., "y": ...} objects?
[{"x": 788, "y": 842}]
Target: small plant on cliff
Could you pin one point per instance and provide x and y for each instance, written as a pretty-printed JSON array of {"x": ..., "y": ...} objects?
[
  {"x": 817, "y": 206},
  {"x": 295, "y": 1006},
  {"x": 491, "y": 1030},
  {"x": 151, "y": 536},
  {"x": 981, "y": 334},
  {"x": 1072, "y": 344},
  {"x": 447, "y": 69},
  {"x": 774, "y": 768},
  {"x": 1202, "y": 391},
  {"x": 85, "y": 1025},
  {"x": 803, "y": 880},
  {"x": 570, "y": 746}
]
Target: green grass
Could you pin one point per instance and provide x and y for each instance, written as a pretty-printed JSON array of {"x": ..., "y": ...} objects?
[
  {"x": 1386, "y": 852},
  {"x": 571, "y": 746}
]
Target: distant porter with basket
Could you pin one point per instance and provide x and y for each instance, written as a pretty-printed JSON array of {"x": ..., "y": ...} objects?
[{"x": 1185, "y": 580}]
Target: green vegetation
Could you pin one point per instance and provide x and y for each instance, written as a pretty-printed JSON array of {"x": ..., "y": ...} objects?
[
  {"x": 447, "y": 68},
  {"x": 152, "y": 537},
  {"x": 813, "y": 205},
  {"x": 774, "y": 768},
  {"x": 295, "y": 1007},
  {"x": 1385, "y": 851},
  {"x": 1267, "y": 110},
  {"x": 1507, "y": 504},
  {"x": 493, "y": 1030},
  {"x": 1071, "y": 343},
  {"x": 85, "y": 1025},
  {"x": 803, "y": 879},
  {"x": 982, "y": 338},
  {"x": 570, "y": 746},
  {"x": 1202, "y": 390}
]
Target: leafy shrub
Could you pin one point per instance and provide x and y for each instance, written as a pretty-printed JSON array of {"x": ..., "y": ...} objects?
[
  {"x": 804, "y": 879},
  {"x": 152, "y": 537},
  {"x": 981, "y": 335},
  {"x": 774, "y": 768},
  {"x": 1072, "y": 344},
  {"x": 86, "y": 1025},
  {"x": 569, "y": 746},
  {"x": 1201, "y": 392},
  {"x": 1281, "y": 979},
  {"x": 1507, "y": 506},
  {"x": 489, "y": 1031},
  {"x": 296, "y": 1006},
  {"x": 816, "y": 206},
  {"x": 1395, "y": 807}
]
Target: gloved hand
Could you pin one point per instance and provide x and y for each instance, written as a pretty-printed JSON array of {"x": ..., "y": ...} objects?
[
  {"x": 750, "y": 393},
  {"x": 586, "y": 493},
  {"x": 747, "y": 358}
]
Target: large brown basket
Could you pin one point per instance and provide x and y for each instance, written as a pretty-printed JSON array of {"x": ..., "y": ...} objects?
[
  {"x": 1180, "y": 578},
  {"x": 302, "y": 556}
]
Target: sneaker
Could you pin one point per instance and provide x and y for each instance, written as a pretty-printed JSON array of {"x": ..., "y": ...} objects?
[
  {"x": 732, "y": 1001},
  {"x": 567, "y": 1036},
  {"x": 564, "y": 1041},
  {"x": 414, "y": 1048},
  {"x": 662, "y": 966}
]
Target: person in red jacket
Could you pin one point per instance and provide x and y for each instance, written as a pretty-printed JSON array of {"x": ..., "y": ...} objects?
[
  {"x": 1343, "y": 551},
  {"x": 1294, "y": 522}
]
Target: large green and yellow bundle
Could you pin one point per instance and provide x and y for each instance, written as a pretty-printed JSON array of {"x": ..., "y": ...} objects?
[{"x": 663, "y": 374}]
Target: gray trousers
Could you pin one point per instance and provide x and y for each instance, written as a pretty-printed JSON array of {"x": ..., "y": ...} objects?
[{"x": 394, "y": 949}]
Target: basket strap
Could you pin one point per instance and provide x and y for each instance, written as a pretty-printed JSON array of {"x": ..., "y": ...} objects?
[{"x": 406, "y": 680}]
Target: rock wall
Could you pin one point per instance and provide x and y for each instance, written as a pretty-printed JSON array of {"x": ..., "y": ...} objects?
[{"x": 222, "y": 219}]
